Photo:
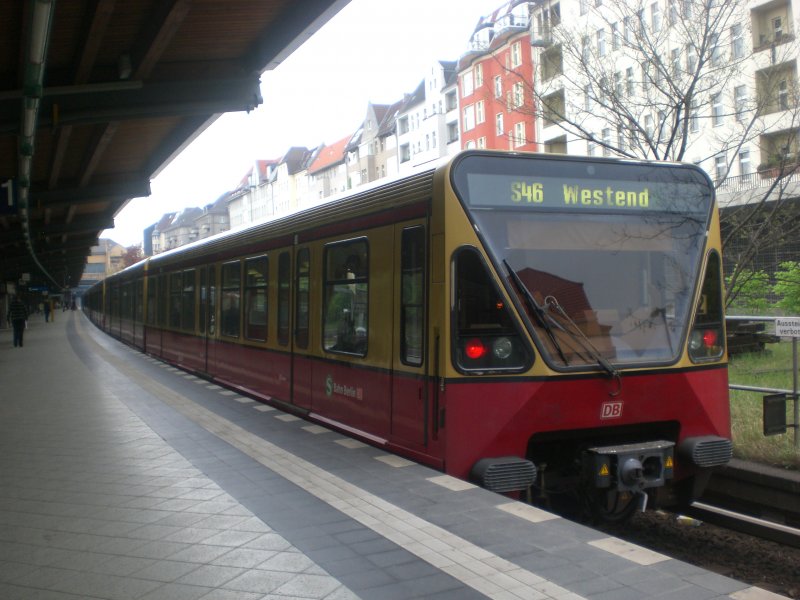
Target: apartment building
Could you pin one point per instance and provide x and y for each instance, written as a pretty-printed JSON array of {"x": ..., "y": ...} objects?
[
  {"x": 425, "y": 119},
  {"x": 495, "y": 82}
]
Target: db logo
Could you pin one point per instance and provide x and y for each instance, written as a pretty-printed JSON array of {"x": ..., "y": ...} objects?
[{"x": 611, "y": 410}]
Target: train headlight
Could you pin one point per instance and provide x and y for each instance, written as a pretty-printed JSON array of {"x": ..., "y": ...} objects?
[
  {"x": 696, "y": 341},
  {"x": 502, "y": 348}
]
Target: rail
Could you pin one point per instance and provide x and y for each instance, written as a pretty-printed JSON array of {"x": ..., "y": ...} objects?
[{"x": 775, "y": 401}]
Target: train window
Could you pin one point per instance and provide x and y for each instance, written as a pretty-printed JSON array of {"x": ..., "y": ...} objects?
[
  {"x": 211, "y": 313},
  {"x": 175, "y": 290},
  {"x": 303, "y": 280},
  {"x": 152, "y": 300},
  {"x": 139, "y": 300},
  {"x": 284, "y": 297},
  {"x": 231, "y": 294},
  {"x": 344, "y": 314},
  {"x": 187, "y": 301},
  {"x": 202, "y": 305},
  {"x": 412, "y": 295},
  {"x": 163, "y": 302},
  {"x": 486, "y": 336},
  {"x": 255, "y": 298}
]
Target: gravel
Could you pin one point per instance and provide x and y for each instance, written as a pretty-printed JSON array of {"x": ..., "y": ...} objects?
[{"x": 768, "y": 565}]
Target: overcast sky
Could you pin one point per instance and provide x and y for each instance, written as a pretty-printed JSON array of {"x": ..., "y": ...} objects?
[{"x": 372, "y": 50}]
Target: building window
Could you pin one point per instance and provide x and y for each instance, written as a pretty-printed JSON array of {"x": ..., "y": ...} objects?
[
  {"x": 737, "y": 42},
  {"x": 498, "y": 86},
  {"x": 675, "y": 56},
  {"x": 629, "y": 83},
  {"x": 478, "y": 75},
  {"x": 601, "y": 42},
  {"x": 691, "y": 59},
  {"x": 452, "y": 132},
  {"x": 519, "y": 94},
  {"x": 740, "y": 99},
  {"x": 451, "y": 100},
  {"x": 482, "y": 142},
  {"x": 720, "y": 167},
  {"x": 498, "y": 121},
  {"x": 480, "y": 112},
  {"x": 402, "y": 125},
  {"x": 516, "y": 55},
  {"x": 405, "y": 153},
  {"x": 469, "y": 117},
  {"x": 655, "y": 16},
  {"x": 616, "y": 40},
  {"x": 606, "y": 133},
  {"x": 783, "y": 95},
  {"x": 519, "y": 134},
  {"x": 346, "y": 297},
  {"x": 467, "y": 84},
  {"x": 745, "y": 167},
  {"x": 648, "y": 126},
  {"x": 716, "y": 109}
]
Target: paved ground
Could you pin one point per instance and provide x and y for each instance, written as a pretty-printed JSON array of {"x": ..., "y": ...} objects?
[{"x": 122, "y": 478}]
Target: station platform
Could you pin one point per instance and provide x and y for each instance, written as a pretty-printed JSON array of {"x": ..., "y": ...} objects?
[{"x": 124, "y": 478}]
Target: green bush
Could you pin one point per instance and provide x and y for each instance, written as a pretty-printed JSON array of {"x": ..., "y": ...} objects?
[{"x": 787, "y": 287}]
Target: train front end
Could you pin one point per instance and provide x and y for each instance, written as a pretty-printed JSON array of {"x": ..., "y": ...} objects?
[{"x": 586, "y": 329}]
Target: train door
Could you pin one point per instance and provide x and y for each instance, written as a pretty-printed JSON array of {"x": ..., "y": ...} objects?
[
  {"x": 409, "y": 392},
  {"x": 208, "y": 314},
  {"x": 300, "y": 367}
]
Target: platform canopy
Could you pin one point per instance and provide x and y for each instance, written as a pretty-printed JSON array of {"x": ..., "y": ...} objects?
[{"x": 98, "y": 96}]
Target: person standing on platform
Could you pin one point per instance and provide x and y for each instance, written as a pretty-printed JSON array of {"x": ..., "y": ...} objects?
[
  {"x": 47, "y": 311},
  {"x": 17, "y": 314}
]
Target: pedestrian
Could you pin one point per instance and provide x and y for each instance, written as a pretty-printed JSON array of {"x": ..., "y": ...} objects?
[
  {"x": 18, "y": 315},
  {"x": 47, "y": 311}
]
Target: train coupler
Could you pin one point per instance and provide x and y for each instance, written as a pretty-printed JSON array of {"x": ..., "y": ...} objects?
[{"x": 629, "y": 467}]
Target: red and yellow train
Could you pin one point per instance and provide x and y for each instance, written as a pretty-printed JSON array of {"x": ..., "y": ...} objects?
[{"x": 527, "y": 321}]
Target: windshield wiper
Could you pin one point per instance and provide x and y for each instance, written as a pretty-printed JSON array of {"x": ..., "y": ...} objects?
[
  {"x": 537, "y": 311},
  {"x": 552, "y": 303}
]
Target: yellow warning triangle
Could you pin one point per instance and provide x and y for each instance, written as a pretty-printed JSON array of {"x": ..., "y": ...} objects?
[
  {"x": 604, "y": 470},
  {"x": 668, "y": 464}
]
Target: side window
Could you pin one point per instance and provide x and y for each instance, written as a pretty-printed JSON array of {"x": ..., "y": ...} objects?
[
  {"x": 203, "y": 304},
  {"x": 139, "y": 300},
  {"x": 152, "y": 300},
  {"x": 175, "y": 290},
  {"x": 486, "y": 337},
  {"x": 284, "y": 297},
  {"x": 231, "y": 294},
  {"x": 412, "y": 295},
  {"x": 187, "y": 301},
  {"x": 346, "y": 294},
  {"x": 255, "y": 298},
  {"x": 163, "y": 299},
  {"x": 302, "y": 282}
]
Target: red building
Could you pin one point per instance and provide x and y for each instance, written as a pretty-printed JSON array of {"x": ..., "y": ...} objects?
[{"x": 495, "y": 80}]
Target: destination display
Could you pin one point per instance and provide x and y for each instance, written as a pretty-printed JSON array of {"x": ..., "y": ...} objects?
[{"x": 581, "y": 194}]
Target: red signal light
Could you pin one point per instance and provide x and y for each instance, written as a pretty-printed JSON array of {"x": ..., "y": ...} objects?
[
  {"x": 709, "y": 338},
  {"x": 474, "y": 349}
]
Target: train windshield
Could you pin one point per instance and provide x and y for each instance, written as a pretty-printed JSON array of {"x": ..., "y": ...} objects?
[{"x": 604, "y": 256}]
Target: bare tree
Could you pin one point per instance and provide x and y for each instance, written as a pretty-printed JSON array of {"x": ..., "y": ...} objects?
[{"x": 691, "y": 80}]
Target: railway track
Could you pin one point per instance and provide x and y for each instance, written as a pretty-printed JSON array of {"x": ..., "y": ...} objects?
[{"x": 755, "y": 499}]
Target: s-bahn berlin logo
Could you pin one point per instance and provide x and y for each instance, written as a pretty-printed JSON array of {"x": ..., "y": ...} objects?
[{"x": 348, "y": 391}]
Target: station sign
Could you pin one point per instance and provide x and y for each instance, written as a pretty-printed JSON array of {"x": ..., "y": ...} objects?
[{"x": 787, "y": 327}]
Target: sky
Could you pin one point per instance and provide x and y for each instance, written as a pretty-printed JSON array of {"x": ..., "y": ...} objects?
[{"x": 371, "y": 51}]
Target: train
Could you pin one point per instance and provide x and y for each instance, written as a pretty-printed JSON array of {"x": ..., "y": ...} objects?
[{"x": 546, "y": 326}]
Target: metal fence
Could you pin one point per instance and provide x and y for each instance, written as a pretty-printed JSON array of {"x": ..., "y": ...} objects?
[{"x": 775, "y": 400}]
